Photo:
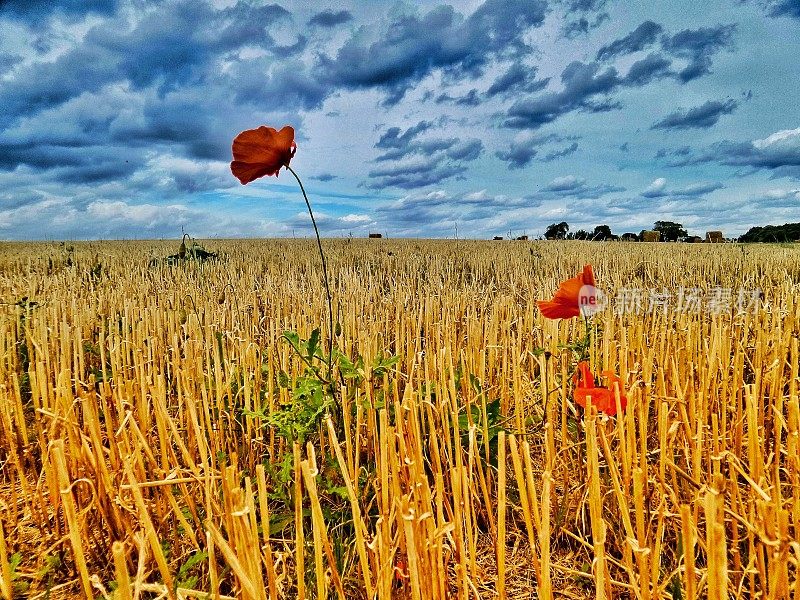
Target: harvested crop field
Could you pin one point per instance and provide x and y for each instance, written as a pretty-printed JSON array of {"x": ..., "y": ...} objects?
[{"x": 162, "y": 436}]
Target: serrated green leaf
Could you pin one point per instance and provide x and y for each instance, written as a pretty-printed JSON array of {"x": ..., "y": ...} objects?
[{"x": 283, "y": 379}]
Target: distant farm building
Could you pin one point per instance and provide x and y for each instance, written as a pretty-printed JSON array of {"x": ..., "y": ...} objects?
[
  {"x": 651, "y": 236},
  {"x": 714, "y": 237},
  {"x": 629, "y": 237},
  {"x": 523, "y": 238},
  {"x": 694, "y": 239},
  {"x": 375, "y": 236},
  {"x": 497, "y": 237}
]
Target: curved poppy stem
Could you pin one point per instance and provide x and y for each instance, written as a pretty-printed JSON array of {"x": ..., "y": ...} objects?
[{"x": 324, "y": 272}]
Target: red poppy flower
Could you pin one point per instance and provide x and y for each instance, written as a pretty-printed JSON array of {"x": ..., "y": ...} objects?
[
  {"x": 262, "y": 151},
  {"x": 602, "y": 397},
  {"x": 566, "y": 301}
]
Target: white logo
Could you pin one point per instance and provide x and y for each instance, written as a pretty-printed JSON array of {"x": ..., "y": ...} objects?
[{"x": 591, "y": 300}]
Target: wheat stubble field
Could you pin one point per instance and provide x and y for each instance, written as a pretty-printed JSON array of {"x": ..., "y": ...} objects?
[{"x": 160, "y": 439}]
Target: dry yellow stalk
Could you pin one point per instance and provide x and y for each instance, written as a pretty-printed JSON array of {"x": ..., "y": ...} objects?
[
  {"x": 59, "y": 465},
  {"x": 121, "y": 571}
]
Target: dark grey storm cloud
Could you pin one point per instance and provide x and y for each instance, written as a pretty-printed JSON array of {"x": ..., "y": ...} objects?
[
  {"x": 583, "y": 25},
  {"x": 421, "y": 173},
  {"x": 517, "y": 155},
  {"x": 471, "y": 98},
  {"x": 263, "y": 78},
  {"x": 330, "y": 18},
  {"x": 699, "y": 117},
  {"x": 643, "y": 36},
  {"x": 521, "y": 152},
  {"x": 165, "y": 48},
  {"x": 324, "y": 177},
  {"x": 88, "y": 114},
  {"x": 8, "y": 60},
  {"x": 570, "y": 186},
  {"x": 42, "y": 9},
  {"x": 414, "y": 161},
  {"x": 653, "y": 66},
  {"x": 584, "y": 82},
  {"x": 583, "y": 16},
  {"x": 698, "y": 46},
  {"x": 571, "y": 149},
  {"x": 393, "y": 138},
  {"x": 413, "y": 46},
  {"x": 466, "y": 150},
  {"x": 780, "y": 153},
  {"x": 581, "y": 82},
  {"x": 782, "y": 8},
  {"x": 518, "y": 78}
]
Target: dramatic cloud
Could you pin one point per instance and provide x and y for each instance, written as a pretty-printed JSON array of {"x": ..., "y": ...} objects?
[
  {"x": 470, "y": 99},
  {"x": 393, "y": 138},
  {"x": 329, "y": 18},
  {"x": 782, "y": 8},
  {"x": 580, "y": 83},
  {"x": 517, "y": 155},
  {"x": 640, "y": 38},
  {"x": 653, "y": 66},
  {"x": 413, "y": 46},
  {"x": 525, "y": 146},
  {"x": 571, "y": 149},
  {"x": 583, "y": 16},
  {"x": 700, "y": 117},
  {"x": 658, "y": 189},
  {"x": 41, "y": 9},
  {"x": 781, "y": 150},
  {"x": 117, "y": 116},
  {"x": 416, "y": 161},
  {"x": 518, "y": 78},
  {"x": 698, "y": 46},
  {"x": 570, "y": 186},
  {"x": 414, "y": 174},
  {"x": 779, "y": 153}
]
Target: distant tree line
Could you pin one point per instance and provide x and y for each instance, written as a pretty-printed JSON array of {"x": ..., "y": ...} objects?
[
  {"x": 789, "y": 232},
  {"x": 667, "y": 230}
]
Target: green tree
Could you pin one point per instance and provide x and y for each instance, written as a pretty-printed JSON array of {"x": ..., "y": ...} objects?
[
  {"x": 789, "y": 232},
  {"x": 670, "y": 231},
  {"x": 557, "y": 231},
  {"x": 602, "y": 232}
]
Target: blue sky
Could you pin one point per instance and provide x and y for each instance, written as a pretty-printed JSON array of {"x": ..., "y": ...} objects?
[{"x": 413, "y": 119}]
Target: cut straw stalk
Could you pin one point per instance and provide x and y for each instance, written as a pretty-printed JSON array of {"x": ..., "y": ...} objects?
[
  {"x": 59, "y": 465},
  {"x": 717, "y": 569},
  {"x": 321, "y": 541},
  {"x": 688, "y": 537},
  {"x": 5, "y": 567},
  {"x": 298, "y": 525},
  {"x": 263, "y": 508},
  {"x": 151, "y": 535},
  {"x": 249, "y": 590},
  {"x": 358, "y": 524},
  {"x": 598, "y": 524},
  {"x": 501, "y": 515},
  {"x": 121, "y": 571}
]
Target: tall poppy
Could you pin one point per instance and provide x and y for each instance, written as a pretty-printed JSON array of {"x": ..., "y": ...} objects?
[
  {"x": 262, "y": 151},
  {"x": 603, "y": 398},
  {"x": 566, "y": 301}
]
